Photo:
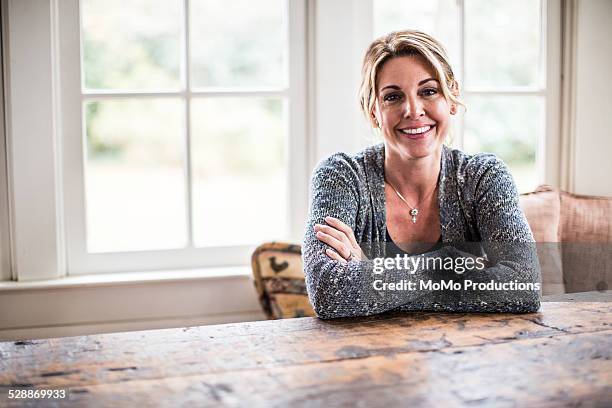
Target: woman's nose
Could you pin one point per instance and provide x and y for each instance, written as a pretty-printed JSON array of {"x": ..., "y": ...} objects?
[{"x": 413, "y": 108}]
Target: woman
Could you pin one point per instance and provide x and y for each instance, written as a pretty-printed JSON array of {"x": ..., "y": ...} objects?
[{"x": 412, "y": 191}]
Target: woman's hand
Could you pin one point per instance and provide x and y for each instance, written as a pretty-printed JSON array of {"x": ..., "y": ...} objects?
[{"x": 340, "y": 238}]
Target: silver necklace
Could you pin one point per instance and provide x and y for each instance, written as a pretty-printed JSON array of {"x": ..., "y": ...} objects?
[{"x": 414, "y": 211}]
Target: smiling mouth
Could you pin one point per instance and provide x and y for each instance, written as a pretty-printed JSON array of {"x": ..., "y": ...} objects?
[{"x": 416, "y": 132}]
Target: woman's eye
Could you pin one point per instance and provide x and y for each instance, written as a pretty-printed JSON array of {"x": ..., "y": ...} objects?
[
  {"x": 429, "y": 91},
  {"x": 391, "y": 98}
]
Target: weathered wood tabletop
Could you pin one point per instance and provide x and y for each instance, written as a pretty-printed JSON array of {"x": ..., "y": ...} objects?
[{"x": 560, "y": 356}]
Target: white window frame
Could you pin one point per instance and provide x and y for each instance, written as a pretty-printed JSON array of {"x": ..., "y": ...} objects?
[
  {"x": 46, "y": 184},
  {"x": 5, "y": 253},
  {"x": 548, "y": 87}
]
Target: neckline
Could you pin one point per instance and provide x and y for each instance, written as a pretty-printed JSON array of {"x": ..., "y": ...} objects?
[
  {"x": 378, "y": 187},
  {"x": 393, "y": 248}
]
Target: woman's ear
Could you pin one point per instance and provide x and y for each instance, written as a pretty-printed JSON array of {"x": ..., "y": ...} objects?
[
  {"x": 375, "y": 123},
  {"x": 374, "y": 117},
  {"x": 454, "y": 88}
]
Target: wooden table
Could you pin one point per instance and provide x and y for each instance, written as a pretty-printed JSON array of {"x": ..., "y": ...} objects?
[{"x": 560, "y": 356}]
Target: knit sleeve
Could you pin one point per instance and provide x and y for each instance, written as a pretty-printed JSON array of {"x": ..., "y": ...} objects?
[{"x": 506, "y": 238}]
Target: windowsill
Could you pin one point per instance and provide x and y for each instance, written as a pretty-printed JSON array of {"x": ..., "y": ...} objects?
[
  {"x": 128, "y": 278},
  {"x": 86, "y": 304}
]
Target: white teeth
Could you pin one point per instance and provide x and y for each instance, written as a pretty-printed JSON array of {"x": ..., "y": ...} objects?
[{"x": 416, "y": 130}]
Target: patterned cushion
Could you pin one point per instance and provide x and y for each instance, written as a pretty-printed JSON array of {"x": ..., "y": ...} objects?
[{"x": 279, "y": 280}]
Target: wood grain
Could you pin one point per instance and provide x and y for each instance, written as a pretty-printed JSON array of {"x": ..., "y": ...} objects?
[{"x": 560, "y": 356}]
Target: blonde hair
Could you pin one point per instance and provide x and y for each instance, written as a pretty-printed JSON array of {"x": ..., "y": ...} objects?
[{"x": 400, "y": 44}]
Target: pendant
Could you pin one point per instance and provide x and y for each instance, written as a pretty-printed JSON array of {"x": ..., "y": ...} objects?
[{"x": 414, "y": 212}]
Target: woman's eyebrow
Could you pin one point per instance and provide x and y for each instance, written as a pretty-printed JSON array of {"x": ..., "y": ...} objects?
[
  {"x": 390, "y": 87},
  {"x": 427, "y": 80},
  {"x": 397, "y": 87}
]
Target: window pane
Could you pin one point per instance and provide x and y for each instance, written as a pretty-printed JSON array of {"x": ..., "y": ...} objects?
[
  {"x": 135, "y": 180},
  {"x": 435, "y": 17},
  {"x": 509, "y": 126},
  {"x": 502, "y": 42},
  {"x": 131, "y": 44},
  {"x": 239, "y": 171},
  {"x": 237, "y": 43}
]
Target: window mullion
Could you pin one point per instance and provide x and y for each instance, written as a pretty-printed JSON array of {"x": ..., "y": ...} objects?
[
  {"x": 5, "y": 251},
  {"x": 552, "y": 141},
  {"x": 296, "y": 124},
  {"x": 34, "y": 147},
  {"x": 462, "y": 74},
  {"x": 209, "y": 93},
  {"x": 187, "y": 129},
  {"x": 129, "y": 95},
  {"x": 216, "y": 92},
  {"x": 505, "y": 92}
]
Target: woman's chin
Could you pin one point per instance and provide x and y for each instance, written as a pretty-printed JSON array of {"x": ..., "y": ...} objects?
[
  {"x": 422, "y": 148},
  {"x": 417, "y": 153}
]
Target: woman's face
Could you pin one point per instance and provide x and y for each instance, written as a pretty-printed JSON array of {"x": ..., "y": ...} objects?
[{"x": 410, "y": 108}]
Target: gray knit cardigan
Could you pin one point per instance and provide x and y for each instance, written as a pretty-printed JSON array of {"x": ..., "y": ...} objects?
[{"x": 478, "y": 204}]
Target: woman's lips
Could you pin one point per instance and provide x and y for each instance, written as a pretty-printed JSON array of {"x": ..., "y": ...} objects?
[{"x": 416, "y": 133}]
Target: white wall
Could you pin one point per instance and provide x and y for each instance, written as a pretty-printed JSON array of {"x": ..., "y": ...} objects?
[{"x": 593, "y": 164}]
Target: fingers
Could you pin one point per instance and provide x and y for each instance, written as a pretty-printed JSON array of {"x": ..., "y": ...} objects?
[
  {"x": 339, "y": 235},
  {"x": 336, "y": 244},
  {"x": 340, "y": 238},
  {"x": 334, "y": 255},
  {"x": 348, "y": 231}
]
